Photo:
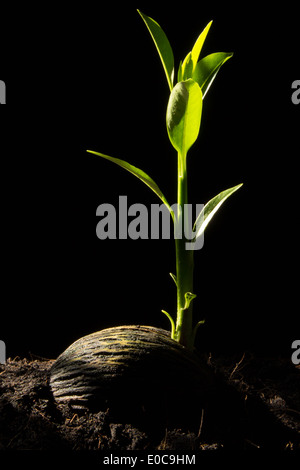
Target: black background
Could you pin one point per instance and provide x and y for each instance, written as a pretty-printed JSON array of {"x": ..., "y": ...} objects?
[{"x": 89, "y": 77}]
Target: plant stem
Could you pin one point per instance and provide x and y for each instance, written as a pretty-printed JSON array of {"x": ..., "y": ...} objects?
[{"x": 184, "y": 261}]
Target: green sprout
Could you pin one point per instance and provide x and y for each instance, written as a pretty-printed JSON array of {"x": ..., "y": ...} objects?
[{"x": 183, "y": 119}]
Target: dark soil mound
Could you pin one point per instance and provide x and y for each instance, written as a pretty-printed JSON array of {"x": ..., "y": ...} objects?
[{"x": 255, "y": 405}]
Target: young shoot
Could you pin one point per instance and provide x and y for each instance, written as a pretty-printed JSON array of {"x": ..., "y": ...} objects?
[{"x": 183, "y": 119}]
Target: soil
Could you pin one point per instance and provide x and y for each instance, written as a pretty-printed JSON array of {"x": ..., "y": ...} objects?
[{"x": 255, "y": 405}]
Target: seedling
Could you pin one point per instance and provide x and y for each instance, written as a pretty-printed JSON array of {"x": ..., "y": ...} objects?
[{"x": 183, "y": 119}]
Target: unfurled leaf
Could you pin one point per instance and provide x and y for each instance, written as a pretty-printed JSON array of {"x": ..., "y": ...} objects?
[
  {"x": 207, "y": 69},
  {"x": 163, "y": 47},
  {"x": 139, "y": 174},
  {"x": 184, "y": 115},
  {"x": 199, "y": 44},
  {"x": 190, "y": 61},
  {"x": 210, "y": 209}
]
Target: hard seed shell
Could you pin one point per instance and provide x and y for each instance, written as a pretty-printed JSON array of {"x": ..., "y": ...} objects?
[{"x": 127, "y": 364}]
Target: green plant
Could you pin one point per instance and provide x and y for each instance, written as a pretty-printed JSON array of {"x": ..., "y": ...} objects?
[{"x": 183, "y": 119}]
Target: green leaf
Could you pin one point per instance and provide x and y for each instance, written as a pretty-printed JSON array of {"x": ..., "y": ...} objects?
[
  {"x": 190, "y": 61},
  {"x": 207, "y": 69},
  {"x": 210, "y": 209},
  {"x": 199, "y": 323},
  {"x": 189, "y": 296},
  {"x": 184, "y": 115},
  {"x": 199, "y": 44},
  {"x": 139, "y": 174},
  {"x": 163, "y": 47},
  {"x": 173, "y": 277},
  {"x": 172, "y": 323},
  {"x": 179, "y": 74},
  {"x": 187, "y": 67}
]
